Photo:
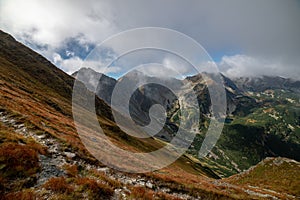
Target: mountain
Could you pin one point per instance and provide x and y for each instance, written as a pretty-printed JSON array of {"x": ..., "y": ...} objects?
[
  {"x": 256, "y": 125},
  {"x": 260, "y": 84},
  {"x": 43, "y": 157},
  {"x": 150, "y": 94},
  {"x": 252, "y": 131},
  {"x": 264, "y": 123},
  {"x": 237, "y": 101},
  {"x": 96, "y": 82}
]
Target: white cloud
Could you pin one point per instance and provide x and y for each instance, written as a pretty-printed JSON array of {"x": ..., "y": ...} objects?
[
  {"x": 56, "y": 58},
  {"x": 51, "y": 23},
  {"x": 266, "y": 31},
  {"x": 68, "y": 65},
  {"x": 73, "y": 64},
  {"x": 177, "y": 65},
  {"x": 248, "y": 66}
]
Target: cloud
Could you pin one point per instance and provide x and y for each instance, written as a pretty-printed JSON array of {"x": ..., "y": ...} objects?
[
  {"x": 168, "y": 66},
  {"x": 247, "y": 66},
  {"x": 49, "y": 22},
  {"x": 68, "y": 65},
  {"x": 73, "y": 64},
  {"x": 263, "y": 33}
]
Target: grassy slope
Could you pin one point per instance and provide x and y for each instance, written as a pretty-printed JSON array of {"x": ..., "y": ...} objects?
[{"x": 278, "y": 174}]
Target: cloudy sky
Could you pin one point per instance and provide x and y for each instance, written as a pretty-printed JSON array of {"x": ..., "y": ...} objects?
[{"x": 244, "y": 38}]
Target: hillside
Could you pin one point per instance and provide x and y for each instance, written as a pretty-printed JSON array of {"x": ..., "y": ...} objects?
[{"x": 272, "y": 175}]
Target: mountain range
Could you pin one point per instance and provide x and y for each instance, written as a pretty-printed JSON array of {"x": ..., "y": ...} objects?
[
  {"x": 42, "y": 156},
  {"x": 253, "y": 131}
]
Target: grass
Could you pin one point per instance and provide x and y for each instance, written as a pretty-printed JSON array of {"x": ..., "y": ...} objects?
[
  {"x": 276, "y": 174},
  {"x": 94, "y": 189},
  {"x": 103, "y": 177},
  {"x": 64, "y": 188},
  {"x": 27, "y": 194},
  {"x": 19, "y": 166},
  {"x": 71, "y": 170},
  {"x": 58, "y": 185},
  {"x": 18, "y": 160}
]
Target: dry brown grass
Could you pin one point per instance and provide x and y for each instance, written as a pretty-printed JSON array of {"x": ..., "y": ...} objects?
[
  {"x": 18, "y": 160},
  {"x": 58, "y": 184},
  {"x": 96, "y": 190},
  {"x": 21, "y": 195},
  {"x": 71, "y": 170},
  {"x": 141, "y": 193},
  {"x": 102, "y": 176},
  {"x": 180, "y": 181},
  {"x": 7, "y": 134}
]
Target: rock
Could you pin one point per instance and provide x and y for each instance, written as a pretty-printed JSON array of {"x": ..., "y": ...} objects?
[
  {"x": 103, "y": 169},
  {"x": 128, "y": 181},
  {"x": 70, "y": 155},
  {"x": 141, "y": 182},
  {"x": 49, "y": 169},
  {"x": 149, "y": 185},
  {"x": 41, "y": 136},
  {"x": 166, "y": 190}
]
